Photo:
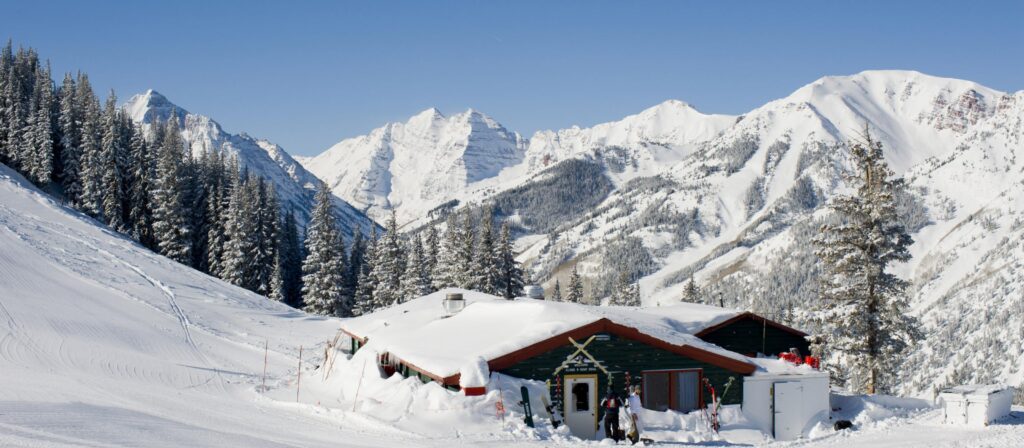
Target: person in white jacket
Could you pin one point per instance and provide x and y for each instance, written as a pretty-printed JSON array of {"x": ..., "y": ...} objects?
[{"x": 633, "y": 405}]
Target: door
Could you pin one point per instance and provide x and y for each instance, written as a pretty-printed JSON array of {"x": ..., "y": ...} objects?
[
  {"x": 581, "y": 405},
  {"x": 787, "y": 407}
]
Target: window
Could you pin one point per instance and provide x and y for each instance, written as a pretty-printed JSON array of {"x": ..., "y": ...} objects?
[
  {"x": 672, "y": 389},
  {"x": 581, "y": 396}
]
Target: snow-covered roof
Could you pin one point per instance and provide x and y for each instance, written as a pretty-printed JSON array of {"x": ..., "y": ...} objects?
[{"x": 490, "y": 327}]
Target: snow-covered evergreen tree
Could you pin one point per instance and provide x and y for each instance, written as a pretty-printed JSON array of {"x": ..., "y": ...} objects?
[
  {"x": 862, "y": 308},
  {"x": 512, "y": 281},
  {"x": 268, "y": 226},
  {"x": 140, "y": 211},
  {"x": 415, "y": 281},
  {"x": 71, "y": 140},
  {"x": 556, "y": 295},
  {"x": 445, "y": 273},
  {"x": 228, "y": 179},
  {"x": 40, "y": 160},
  {"x": 575, "y": 294},
  {"x": 627, "y": 292},
  {"x": 277, "y": 291},
  {"x": 431, "y": 249},
  {"x": 487, "y": 276},
  {"x": 113, "y": 155},
  {"x": 691, "y": 293},
  {"x": 241, "y": 251},
  {"x": 388, "y": 267},
  {"x": 91, "y": 174},
  {"x": 362, "y": 303},
  {"x": 465, "y": 274},
  {"x": 324, "y": 266},
  {"x": 170, "y": 217}
]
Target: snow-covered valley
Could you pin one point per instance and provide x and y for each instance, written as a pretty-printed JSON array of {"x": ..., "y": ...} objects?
[{"x": 107, "y": 344}]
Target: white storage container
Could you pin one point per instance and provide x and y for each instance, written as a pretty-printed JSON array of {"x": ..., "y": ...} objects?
[
  {"x": 786, "y": 406},
  {"x": 976, "y": 405}
]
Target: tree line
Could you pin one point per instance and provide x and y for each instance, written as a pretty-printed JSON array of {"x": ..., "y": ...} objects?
[
  {"x": 391, "y": 268},
  {"x": 205, "y": 212},
  {"x": 211, "y": 214}
]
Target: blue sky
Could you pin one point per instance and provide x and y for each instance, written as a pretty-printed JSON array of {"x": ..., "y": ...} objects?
[{"x": 307, "y": 74}]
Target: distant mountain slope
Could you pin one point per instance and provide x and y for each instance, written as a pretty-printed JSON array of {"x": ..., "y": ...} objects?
[
  {"x": 737, "y": 214},
  {"x": 412, "y": 167},
  {"x": 295, "y": 186}
]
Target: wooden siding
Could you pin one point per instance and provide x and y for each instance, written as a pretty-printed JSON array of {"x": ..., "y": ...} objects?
[
  {"x": 620, "y": 355},
  {"x": 744, "y": 336}
]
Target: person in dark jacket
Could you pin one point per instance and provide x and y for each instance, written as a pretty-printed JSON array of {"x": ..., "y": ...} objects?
[{"x": 611, "y": 405}]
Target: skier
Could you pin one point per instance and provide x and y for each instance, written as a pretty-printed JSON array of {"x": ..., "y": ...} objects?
[
  {"x": 633, "y": 406},
  {"x": 611, "y": 404}
]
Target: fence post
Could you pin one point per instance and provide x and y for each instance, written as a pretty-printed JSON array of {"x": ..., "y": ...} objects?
[
  {"x": 266, "y": 346},
  {"x": 298, "y": 381}
]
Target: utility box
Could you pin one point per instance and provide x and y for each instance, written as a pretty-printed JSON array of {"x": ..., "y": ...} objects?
[{"x": 976, "y": 405}]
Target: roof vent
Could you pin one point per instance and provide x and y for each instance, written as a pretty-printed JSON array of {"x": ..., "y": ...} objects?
[
  {"x": 453, "y": 303},
  {"x": 535, "y": 292}
]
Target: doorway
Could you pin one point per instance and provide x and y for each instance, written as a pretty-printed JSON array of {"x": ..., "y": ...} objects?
[
  {"x": 581, "y": 405},
  {"x": 786, "y": 407}
]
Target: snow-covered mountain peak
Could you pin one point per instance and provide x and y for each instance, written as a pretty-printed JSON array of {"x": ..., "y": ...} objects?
[
  {"x": 415, "y": 165},
  {"x": 152, "y": 106}
]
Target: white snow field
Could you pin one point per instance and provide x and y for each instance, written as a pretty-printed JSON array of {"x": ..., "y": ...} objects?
[{"x": 104, "y": 344}]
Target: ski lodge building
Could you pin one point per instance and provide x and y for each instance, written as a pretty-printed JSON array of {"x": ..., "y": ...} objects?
[{"x": 579, "y": 350}]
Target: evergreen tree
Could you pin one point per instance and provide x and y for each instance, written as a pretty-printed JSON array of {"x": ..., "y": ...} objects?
[
  {"x": 268, "y": 228},
  {"x": 388, "y": 266},
  {"x": 170, "y": 217},
  {"x": 862, "y": 308},
  {"x": 219, "y": 204},
  {"x": 241, "y": 251},
  {"x": 556, "y": 295},
  {"x": 363, "y": 301},
  {"x": 431, "y": 248},
  {"x": 512, "y": 281},
  {"x": 290, "y": 256},
  {"x": 356, "y": 262},
  {"x": 40, "y": 160},
  {"x": 691, "y": 293},
  {"x": 113, "y": 157},
  {"x": 445, "y": 274},
  {"x": 487, "y": 277},
  {"x": 277, "y": 291},
  {"x": 70, "y": 142},
  {"x": 626, "y": 292},
  {"x": 142, "y": 170},
  {"x": 575, "y": 286},
  {"x": 324, "y": 266},
  {"x": 91, "y": 174},
  {"x": 465, "y": 274},
  {"x": 415, "y": 281}
]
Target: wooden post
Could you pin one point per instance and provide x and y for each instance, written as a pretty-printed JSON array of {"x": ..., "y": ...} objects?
[
  {"x": 298, "y": 381},
  {"x": 266, "y": 346}
]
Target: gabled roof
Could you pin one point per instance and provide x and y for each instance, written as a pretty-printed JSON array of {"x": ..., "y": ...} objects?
[{"x": 505, "y": 332}]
